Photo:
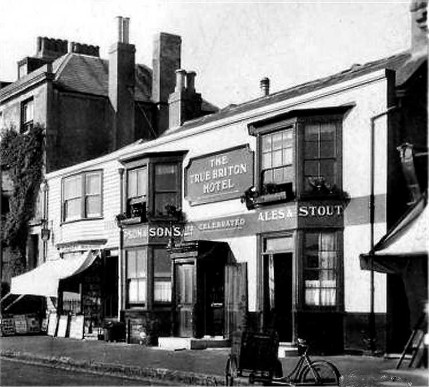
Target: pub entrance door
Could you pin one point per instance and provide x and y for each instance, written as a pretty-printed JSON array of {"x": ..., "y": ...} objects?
[
  {"x": 278, "y": 286},
  {"x": 184, "y": 290}
]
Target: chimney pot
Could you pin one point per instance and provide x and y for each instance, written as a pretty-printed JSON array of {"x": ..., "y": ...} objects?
[
  {"x": 126, "y": 30},
  {"x": 180, "y": 80},
  {"x": 265, "y": 86},
  {"x": 190, "y": 81},
  {"x": 120, "y": 28}
]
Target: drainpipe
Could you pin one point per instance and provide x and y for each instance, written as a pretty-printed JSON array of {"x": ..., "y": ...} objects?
[
  {"x": 121, "y": 243},
  {"x": 371, "y": 321}
]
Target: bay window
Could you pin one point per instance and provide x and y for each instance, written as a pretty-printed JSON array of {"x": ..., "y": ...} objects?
[
  {"x": 321, "y": 269},
  {"x": 137, "y": 180},
  {"x": 162, "y": 275},
  {"x": 81, "y": 197},
  {"x": 166, "y": 187},
  {"x": 137, "y": 276}
]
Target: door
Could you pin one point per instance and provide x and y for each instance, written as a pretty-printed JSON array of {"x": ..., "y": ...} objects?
[
  {"x": 283, "y": 295},
  {"x": 184, "y": 288},
  {"x": 213, "y": 273}
]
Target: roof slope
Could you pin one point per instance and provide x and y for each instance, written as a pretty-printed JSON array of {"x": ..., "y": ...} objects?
[{"x": 394, "y": 62}]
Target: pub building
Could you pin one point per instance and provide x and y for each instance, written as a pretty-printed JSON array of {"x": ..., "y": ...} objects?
[{"x": 254, "y": 217}]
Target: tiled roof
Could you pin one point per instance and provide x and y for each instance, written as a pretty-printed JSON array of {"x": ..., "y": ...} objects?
[
  {"x": 394, "y": 62},
  {"x": 90, "y": 74}
]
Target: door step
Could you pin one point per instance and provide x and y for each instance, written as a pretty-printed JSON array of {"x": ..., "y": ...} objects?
[
  {"x": 287, "y": 350},
  {"x": 182, "y": 343}
]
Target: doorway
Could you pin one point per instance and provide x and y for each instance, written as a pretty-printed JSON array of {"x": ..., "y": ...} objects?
[
  {"x": 184, "y": 289},
  {"x": 278, "y": 286}
]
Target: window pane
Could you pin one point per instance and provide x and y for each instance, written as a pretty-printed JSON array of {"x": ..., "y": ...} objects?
[
  {"x": 278, "y": 176},
  {"x": 131, "y": 264},
  {"x": 162, "y": 291},
  {"x": 162, "y": 263},
  {"x": 287, "y": 156},
  {"x": 141, "y": 265},
  {"x": 93, "y": 183},
  {"x": 163, "y": 199},
  {"x": 311, "y": 168},
  {"x": 266, "y": 143},
  {"x": 165, "y": 177},
  {"x": 277, "y": 141},
  {"x": 327, "y": 149},
  {"x": 142, "y": 290},
  {"x": 72, "y": 187},
  {"x": 311, "y": 132},
  {"x": 132, "y": 184},
  {"x": 72, "y": 209},
  {"x": 278, "y": 244},
  {"x": 327, "y": 132},
  {"x": 277, "y": 158},
  {"x": 142, "y": 182},
  {"x": 311, "y": 150},
  {"x": 327, "y": 170},
  {"x": 267, "y": 177},
  {"x": 287, "y": 138},
  {"x": 266, "y": 160},
  {"x": 93, "y": 206},
  {"x": 133, "y": 290}
]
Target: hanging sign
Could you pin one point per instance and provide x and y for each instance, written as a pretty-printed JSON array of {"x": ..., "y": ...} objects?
[{"x": 219, "y": 176}]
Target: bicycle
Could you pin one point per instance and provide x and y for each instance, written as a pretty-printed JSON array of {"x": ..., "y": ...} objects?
[{"x": 305, "y": 373}]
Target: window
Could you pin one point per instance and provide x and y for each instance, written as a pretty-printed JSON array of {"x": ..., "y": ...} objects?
[
  {"x": 166, "y": 187},
  {"x": 320, "y": 155},
  {"x": 321, "y": 262},
  {"x": 277, "y": 157},
  {"x": 137, "y": 276},
  {"x": 82, "y": 196},
  {"x": 162, "y": 275},
  {"x": 137, "y": 191},
  {"x": 27, "y": 115}
]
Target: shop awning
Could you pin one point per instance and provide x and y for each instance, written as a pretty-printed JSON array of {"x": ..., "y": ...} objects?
[
  {"x": 407, "y": 239},
  {"x": 44, "y": 280}
]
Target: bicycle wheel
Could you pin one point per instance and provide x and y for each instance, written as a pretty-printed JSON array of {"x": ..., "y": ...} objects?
[
  {"x": 320, "y": 372},
  {"x": 230, "y": 371}
]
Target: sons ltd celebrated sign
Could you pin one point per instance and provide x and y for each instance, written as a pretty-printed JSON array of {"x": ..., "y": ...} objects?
[{"x": 219, "y": 176}]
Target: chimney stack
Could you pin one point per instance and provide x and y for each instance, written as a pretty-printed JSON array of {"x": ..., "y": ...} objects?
[
  {"x": 185, "y": 103},
  {"x": 166, "y": 60},
  {"x": 265, "y": 86},
  {"x": 419, "y": 28},
  {"x": 121, "y": 86}
]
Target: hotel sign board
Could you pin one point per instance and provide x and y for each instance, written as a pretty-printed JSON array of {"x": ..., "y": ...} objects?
[{"x": 219, "y": 176}]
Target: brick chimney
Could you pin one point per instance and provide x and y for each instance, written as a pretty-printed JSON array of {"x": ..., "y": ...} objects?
[
  {"x": 50, "y": 49},
  {"x": 121, "y": 86},
  {"x": 419, "y": 28},
  {"x": 166, "y": 60},
  {"x": 185, "y": 103},
  {"x": 265, "y": 87},
  {"x": 85, "y": 49}
]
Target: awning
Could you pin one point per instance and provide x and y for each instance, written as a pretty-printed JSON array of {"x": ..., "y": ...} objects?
[
  {"x": 44, "y": 280},
  {"x": 407, "y": 239}
]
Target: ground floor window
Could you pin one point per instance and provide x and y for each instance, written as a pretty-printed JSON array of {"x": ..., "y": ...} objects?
[
  {"x": 148, "y": 276},
  {"x": 321, "y": 258}
]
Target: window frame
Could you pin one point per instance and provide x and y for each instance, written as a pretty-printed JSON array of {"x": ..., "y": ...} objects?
[
  {"x": 300, "y": 161},
  {"x": 83, "y": 197},
  {"x": 26, "y": 125},
  {"x": 138, "y": 303},
  {"x": 151, "y": 162},
  {"x": 339, "y": 269},
  {"x": 150, "y": 302}
]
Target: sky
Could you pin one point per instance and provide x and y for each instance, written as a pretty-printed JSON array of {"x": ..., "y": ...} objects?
[{"x": 230, "y": 44}]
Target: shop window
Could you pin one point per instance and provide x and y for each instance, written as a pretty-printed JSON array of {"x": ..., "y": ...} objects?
[
  {"x": 27, "y": 115},
  {"x": 82, "y": 196},
  {"x": 137, "y": 276},
  {"x": 162, "y": 275},
  {"x": 321, "y": 269}
]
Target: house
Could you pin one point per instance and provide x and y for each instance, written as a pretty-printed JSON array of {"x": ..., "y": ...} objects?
[
  {"x": 251, "y": 217},
  {"x": 87, "y": 105}
]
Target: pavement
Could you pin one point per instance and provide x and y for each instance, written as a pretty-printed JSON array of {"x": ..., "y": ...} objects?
[{"x": 185, "y": 367}]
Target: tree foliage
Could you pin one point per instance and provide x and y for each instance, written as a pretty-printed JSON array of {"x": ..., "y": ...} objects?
[{"x": 21, "y": 156}]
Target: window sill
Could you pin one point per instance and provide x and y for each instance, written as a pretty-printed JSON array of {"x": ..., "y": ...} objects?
[
  {"x": 271, "y": 198},
  {"x": 81, "y": 220},
  {"x": 133, "y": 220}
]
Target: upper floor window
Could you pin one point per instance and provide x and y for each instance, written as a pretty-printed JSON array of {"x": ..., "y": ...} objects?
[
  {"x": 27, "y": 115},
  {"x": 276, "y": 158},
  {"x": 82, "y": 196},
  {"x": 320, "y": 156},
  {"x": 321, "y": 268},
  {"x": 153, "y": 185}
]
